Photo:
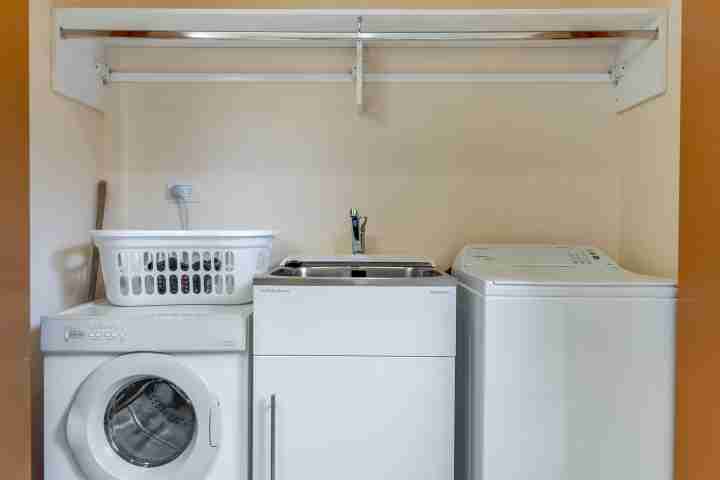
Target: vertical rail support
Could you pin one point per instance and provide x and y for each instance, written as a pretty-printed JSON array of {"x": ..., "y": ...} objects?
[{"x": 359, "y": 70}]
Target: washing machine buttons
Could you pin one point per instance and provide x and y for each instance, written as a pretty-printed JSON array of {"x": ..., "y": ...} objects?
[
  {"x": 105, "y": 335},
  {"x": 74, "y": 334}
]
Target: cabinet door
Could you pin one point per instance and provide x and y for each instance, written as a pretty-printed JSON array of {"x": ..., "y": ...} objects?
[{"x": 353, "y": 418}]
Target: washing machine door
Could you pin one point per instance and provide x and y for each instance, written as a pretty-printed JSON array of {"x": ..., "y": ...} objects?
[{"x": 144, "y": 417}]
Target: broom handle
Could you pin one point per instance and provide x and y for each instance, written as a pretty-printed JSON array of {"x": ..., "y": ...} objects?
[{"x": 99, "y": 220}]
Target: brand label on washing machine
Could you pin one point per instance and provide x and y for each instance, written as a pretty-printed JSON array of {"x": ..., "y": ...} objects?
[{"x": 76, "y": 334}]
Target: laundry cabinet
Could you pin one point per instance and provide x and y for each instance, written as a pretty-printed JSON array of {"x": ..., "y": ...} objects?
[
  {"x": 334, "y": 398},
  {"x": 353, "y": 418}
]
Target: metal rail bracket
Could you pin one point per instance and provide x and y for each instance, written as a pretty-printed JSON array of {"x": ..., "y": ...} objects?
[
  {"x": 104, "y": 73},
  {"x": 617, "y": 73}
]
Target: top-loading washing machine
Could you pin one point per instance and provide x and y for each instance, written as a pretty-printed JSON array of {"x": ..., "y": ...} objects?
[
  {"x": 146, "y": 393},
  {"x": 565, "y": 366}
]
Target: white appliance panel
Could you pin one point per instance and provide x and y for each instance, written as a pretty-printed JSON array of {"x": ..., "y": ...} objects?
[
  {"x": 208, "y": 343},
  {"x": 570, "y": 388},
  {"x": 160, "y": 329},
  {"x": 65, "y": 373},
  {"x": 539, "y": 255},
  {"x": 552, "y": 270},
  {"x": 355, "y": 320},
  {"x": 355, "y": 418}
]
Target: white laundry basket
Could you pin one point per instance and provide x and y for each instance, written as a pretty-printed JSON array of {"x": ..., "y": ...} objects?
[{"x": 181, "y": 267}]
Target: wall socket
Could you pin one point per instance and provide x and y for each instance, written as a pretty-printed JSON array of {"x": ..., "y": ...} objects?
[{"x": 180, "y": 191}]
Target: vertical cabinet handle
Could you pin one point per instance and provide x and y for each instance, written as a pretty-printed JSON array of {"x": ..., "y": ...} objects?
[
  {"x": 214, "y": 424},
  {"x": 272, "y": 450}
]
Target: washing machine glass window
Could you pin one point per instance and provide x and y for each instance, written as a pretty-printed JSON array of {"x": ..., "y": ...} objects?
[{"x": 150, "y": 421}]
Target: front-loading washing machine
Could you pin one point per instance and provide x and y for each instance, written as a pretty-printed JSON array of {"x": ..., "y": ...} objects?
[
  {"x": 146, "y": 393},
  {"x": 565, "y": 366}
]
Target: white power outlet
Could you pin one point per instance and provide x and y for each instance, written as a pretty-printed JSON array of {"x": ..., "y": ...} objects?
[{"x": 180, "y": 191}]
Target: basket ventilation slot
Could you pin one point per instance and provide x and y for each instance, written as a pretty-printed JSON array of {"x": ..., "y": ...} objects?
[{"x": 177, "y": 273}]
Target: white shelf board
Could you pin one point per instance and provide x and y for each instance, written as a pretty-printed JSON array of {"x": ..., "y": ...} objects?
[
  {"x": 341, "y": 20},
  {"x": 642, "y": 63}
]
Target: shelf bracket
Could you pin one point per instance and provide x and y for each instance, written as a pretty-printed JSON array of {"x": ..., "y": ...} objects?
[
  {"x": 640, "y": 70},
  {"x": 75, "y": 67},
  {"x": 359, "y": 70}
]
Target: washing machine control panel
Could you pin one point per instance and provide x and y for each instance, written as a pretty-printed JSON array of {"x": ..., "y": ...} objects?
[
  {"x": 541, "y": 256},
  {"x": 99, "y": 334}
]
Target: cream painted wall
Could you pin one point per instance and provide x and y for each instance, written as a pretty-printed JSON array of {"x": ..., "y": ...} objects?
[
  {"x": 433, "y": 166},
  {"x": 64, "y": 147},
  {"x": 650, "y": 176},
  {"x": 295, "y": 158}
]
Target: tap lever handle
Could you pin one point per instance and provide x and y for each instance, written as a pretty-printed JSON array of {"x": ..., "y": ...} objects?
[{"x": 359, "y": 224}]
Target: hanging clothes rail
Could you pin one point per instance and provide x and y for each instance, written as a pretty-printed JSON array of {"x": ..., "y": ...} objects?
[
  {"x": 546, "y": 35},
  {"x": 638, "y": 69}
]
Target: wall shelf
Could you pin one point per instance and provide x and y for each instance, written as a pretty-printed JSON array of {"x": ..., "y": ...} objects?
[{"x": 638, "y": 70}]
